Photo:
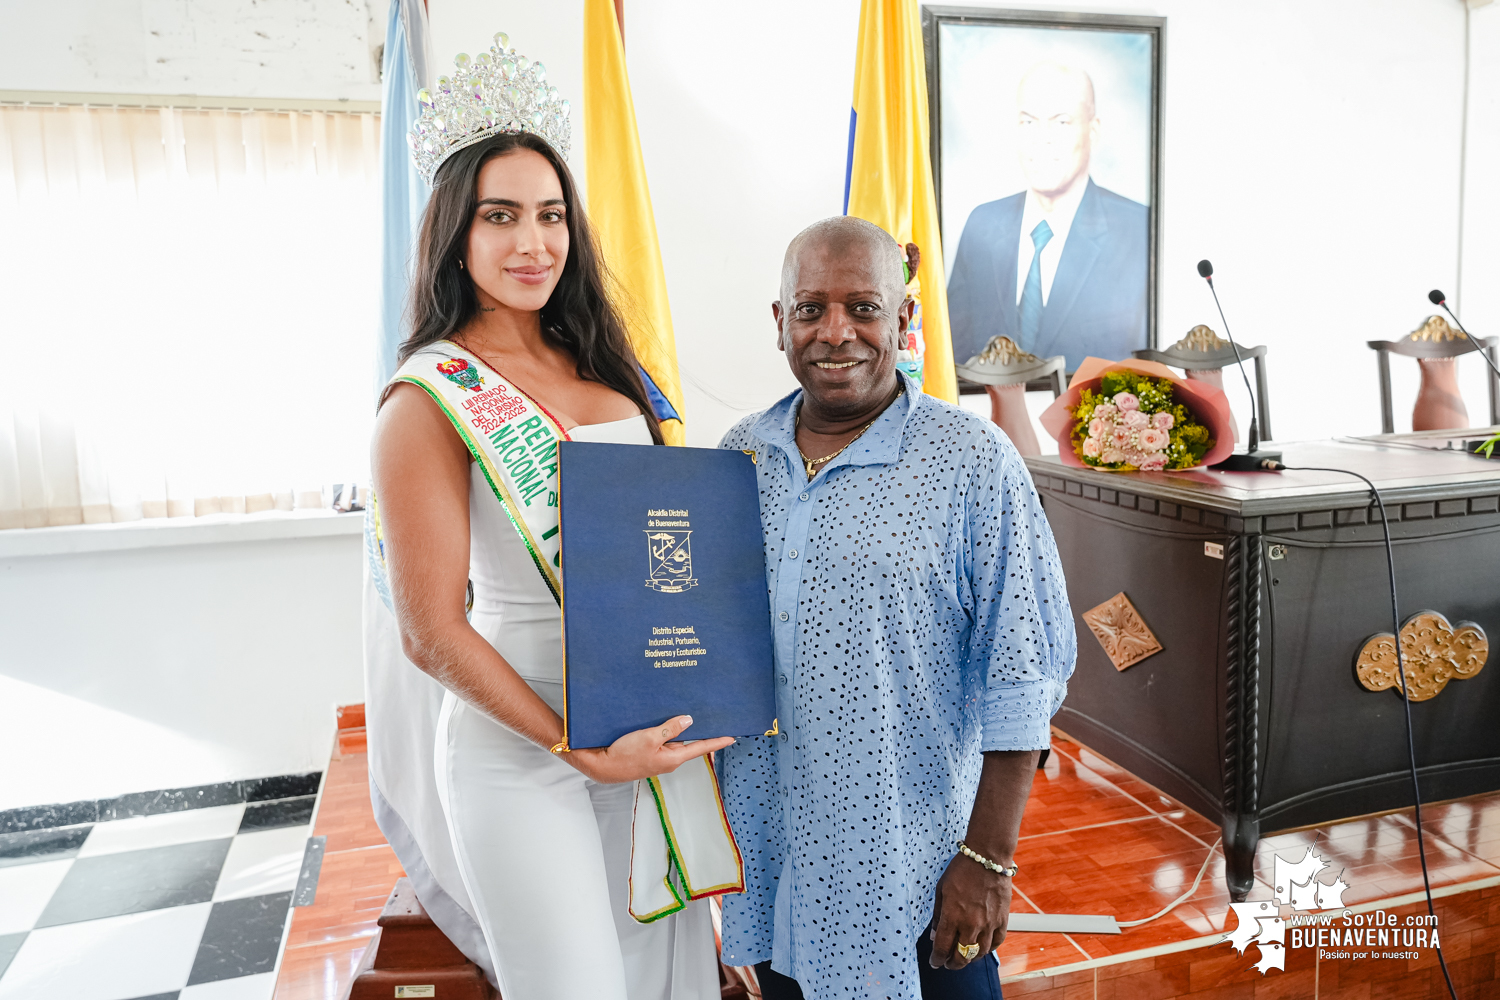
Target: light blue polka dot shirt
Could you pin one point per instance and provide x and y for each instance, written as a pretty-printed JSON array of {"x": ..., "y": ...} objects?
[{"x": 920, "y": 619}]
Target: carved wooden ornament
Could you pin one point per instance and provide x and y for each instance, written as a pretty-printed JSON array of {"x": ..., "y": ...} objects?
[
  {"x": 1122, "y": 631},
  {"x": 1435, "y": 652}
]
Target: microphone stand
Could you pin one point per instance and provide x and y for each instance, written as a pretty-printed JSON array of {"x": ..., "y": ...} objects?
[
  {"x": 1253, "y": 459},
  {"x": 1487, "y": 448},
  {"x": 1479, "y": 348}
]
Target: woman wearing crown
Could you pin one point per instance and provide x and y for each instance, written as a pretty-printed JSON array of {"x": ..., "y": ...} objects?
[{"x": 514, "y": 346}]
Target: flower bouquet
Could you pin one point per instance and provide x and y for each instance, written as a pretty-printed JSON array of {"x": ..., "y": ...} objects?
[{"x": 1133, "y": 416}]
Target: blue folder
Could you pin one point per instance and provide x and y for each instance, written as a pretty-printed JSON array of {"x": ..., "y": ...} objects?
[{"x": 665, "y": 609}]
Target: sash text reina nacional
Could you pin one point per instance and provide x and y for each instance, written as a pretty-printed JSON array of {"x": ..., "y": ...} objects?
[{"x": 528, "y": 448}]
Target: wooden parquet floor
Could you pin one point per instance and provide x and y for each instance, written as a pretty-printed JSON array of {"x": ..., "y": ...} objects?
[
  {"x": 327, "y": 939},
  {"x": 1095, "y": 839}
]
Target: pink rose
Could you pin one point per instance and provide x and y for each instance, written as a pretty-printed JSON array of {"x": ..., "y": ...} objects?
[
  {"x": 1112, "y": 456},
  {"x": 1152, "y": 439},
  {"x": 1162, "y": 421},
  {"x": 1136, "y": 419},
  {"x": 1106, "y": 411},
  {"x": 1153, "y": 463},
  {"x": 1120, "y": 437},
  {"x": 1091, "y": 446},
  {"x": 1096, "y": 428},
  {"x": 1134, "y": 456},
  {"x": 1127, "y": 401}
]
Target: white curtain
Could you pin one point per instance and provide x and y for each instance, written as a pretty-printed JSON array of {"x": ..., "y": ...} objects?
[{"x": 187, "y": 300}]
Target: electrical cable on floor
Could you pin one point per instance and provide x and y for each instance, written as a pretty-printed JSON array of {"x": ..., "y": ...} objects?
[
  {"x": 1411, "y": 746},
  {"x": 1180, "y": 899}
]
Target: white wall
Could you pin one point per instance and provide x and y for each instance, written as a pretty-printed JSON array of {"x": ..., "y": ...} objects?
[
  {"x": 324, "y": 49},
  {"x": 1481, "y": 258},
  {"x": 1310, "y": 150},
  {"x": 165, "y": 667}
]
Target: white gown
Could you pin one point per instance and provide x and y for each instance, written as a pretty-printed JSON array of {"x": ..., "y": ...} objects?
[{"x": 532, "y": 882}]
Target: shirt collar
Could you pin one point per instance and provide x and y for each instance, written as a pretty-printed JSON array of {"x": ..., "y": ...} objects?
[
  {"x": 879, "y": 445},
  {"x": 1060, "y": 219}
]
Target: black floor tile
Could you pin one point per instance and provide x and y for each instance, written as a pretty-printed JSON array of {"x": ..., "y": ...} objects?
[
  {"x": 170, "y": 800},
  {"x": 282, "y": 812},
  {"x": 241, "y": 938},
  {"x": 9, "y": 945},
  {"x": 46, "y": 817},
  {"x": 282, "y": 786},
  {"x": 161, "y": 996},
  {"x": 153, "y": 879},
  {"x": 41, "y": 845}
]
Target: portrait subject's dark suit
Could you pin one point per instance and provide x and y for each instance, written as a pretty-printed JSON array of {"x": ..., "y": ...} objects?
[{"x": 1097, "y": 304}]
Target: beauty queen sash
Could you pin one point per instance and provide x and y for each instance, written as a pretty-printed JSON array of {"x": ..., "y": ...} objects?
[{"x": 685, "y": 840}]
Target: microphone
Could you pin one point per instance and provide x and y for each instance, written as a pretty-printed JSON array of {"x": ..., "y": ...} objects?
[
  {"x": 1253, "y": 460},
  {"x": 1437, "y": 298}
]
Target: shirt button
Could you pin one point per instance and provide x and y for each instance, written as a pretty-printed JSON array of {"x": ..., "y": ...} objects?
[
  {"x": 785, "y": 737},
  {"x": 792, "y": 554},
  {"x": 783, "y": 616},
  {"x": 804, "y": 496},
  {"x": 783, "y": 678}
]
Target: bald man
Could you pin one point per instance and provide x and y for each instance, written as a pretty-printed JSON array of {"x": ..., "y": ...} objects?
[
  {"x": 923, "y": 641},
  {"x": 1060, "y": 268}
]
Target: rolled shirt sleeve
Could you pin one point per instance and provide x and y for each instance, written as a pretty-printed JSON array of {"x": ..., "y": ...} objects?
[{"x": 1023, "y": 625}]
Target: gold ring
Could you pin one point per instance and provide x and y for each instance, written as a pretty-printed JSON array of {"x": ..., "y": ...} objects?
[{"x": 969, "y": 951}]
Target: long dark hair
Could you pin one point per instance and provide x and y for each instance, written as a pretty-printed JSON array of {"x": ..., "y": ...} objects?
[{"x": 579, "y": 317}]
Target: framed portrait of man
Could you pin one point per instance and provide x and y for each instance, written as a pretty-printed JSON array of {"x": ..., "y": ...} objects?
[{"x": 1045, "y": 135}]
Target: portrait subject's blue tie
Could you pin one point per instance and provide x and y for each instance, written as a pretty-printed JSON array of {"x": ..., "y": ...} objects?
[{"x": 1031, "y": 294}]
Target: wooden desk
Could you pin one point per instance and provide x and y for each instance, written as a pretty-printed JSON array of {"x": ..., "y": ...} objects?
[{"x": 1252, "y": 712}]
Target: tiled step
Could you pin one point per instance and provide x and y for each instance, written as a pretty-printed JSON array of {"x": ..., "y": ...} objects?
[
  {"x": 351, "y": 741},
  {"x": 410, "y": 953},
  {"x": 351, "y": 730}
]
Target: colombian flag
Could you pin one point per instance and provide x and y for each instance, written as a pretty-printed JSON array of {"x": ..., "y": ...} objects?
[
  {"x": 888, "y": 178},
  {"x": 620, "y": 207}
]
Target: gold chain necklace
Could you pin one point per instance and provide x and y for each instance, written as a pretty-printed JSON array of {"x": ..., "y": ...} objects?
[{"x": 810, "y": 462}]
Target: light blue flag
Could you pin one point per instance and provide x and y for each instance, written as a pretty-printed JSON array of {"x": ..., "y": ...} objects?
[{"x": 403, "y": 192}]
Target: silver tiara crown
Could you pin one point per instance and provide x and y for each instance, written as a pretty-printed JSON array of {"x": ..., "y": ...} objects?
[{"x": 499, "y": 91}]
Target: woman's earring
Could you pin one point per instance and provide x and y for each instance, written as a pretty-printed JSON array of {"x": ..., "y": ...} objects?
[{"x": 460, "y": 263}]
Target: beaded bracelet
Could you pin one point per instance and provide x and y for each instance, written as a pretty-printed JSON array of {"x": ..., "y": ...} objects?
[{"x": 968, "y": 852}]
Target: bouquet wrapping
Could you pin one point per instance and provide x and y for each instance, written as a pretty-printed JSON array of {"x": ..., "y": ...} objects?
[{"x": 1129, "y": 416}]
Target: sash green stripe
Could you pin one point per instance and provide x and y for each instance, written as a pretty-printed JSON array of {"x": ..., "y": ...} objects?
[
  {"x": 673, "y": 860},
  {"x": 497, "y": 483}
]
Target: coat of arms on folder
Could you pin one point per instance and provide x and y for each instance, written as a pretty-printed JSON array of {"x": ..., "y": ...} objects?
[
  {"x": 696, "y": 639},
  {"x": 670, "y": 561}
]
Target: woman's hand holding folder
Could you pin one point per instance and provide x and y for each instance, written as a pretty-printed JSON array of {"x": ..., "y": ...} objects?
[{"x": 644, "y": 753}]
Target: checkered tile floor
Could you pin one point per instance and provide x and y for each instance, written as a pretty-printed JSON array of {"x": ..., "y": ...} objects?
[{"x": 188, "y": 905}]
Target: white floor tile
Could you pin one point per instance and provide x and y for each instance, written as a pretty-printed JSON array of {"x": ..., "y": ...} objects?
[
  {"x": 244, "y": 988},
  {"x": 141, "y": 832},
  {"x": 139, "y": 954},
  {"x": 263, "y": 862},
  {"x": 25, "y": 890}
]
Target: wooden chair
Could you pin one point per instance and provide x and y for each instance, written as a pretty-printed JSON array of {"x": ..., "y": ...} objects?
[
  {"x": 1007, "y": 372},
  {"x": 1436, "y": 346},
  {"x": 1204, "y": 354}
]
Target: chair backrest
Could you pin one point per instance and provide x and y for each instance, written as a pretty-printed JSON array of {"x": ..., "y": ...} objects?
[
  {"x": 1003, "y": 363},
  {"x": 1433, "y": 339},
  {"x": 1201, "y": 349},
  {"x": 1007, "y": 372}
]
